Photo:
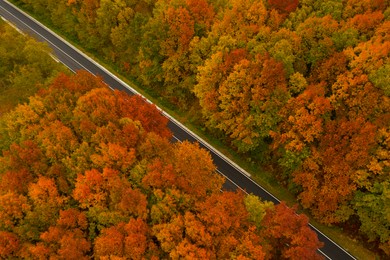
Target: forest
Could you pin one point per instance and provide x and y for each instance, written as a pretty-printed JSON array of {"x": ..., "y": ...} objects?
[
  {"x": 86, "y": 172},
  {"x": 302, "y": 86}
]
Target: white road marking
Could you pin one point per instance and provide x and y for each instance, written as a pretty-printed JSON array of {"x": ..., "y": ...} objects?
[{"x": 55, "y": 58}]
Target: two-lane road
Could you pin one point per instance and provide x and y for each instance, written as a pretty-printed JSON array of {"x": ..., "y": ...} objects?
[{"x": 75, "y": 60}]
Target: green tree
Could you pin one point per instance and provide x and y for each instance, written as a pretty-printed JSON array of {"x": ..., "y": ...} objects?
[{"x": 25, "y": 67}]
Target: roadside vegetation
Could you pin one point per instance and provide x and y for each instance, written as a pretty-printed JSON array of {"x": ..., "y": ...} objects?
[
  {"x": 25, "y": 67},
  {"x": 298, "y": 88}
]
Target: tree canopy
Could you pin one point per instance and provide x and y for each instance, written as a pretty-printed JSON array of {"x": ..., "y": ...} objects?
[
  {"x": 299, "y": 85},
  {"x": 89, "y": 172}
]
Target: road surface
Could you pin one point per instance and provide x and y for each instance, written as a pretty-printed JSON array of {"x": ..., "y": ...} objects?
[{"x": 236, "y": 177}]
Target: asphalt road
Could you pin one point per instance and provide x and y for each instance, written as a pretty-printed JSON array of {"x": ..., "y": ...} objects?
[{"x": 75, "y": 60}]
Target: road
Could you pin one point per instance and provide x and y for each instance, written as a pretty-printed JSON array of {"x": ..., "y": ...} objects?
[{"x": 75, "y": 60}]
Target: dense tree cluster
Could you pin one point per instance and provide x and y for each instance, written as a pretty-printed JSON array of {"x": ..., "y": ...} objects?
[
  {"x": 303, "y": 85},
  {"x": 25, "y": 65},
  {"x": 88, "y": 172}
]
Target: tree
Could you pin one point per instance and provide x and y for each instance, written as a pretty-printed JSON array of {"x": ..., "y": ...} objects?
[
  {"x": 304, "y": 118},
  {"x": 45, "y": 207},
  {"x": 106, "y": 19},
  {"x": 380, "y": 79},
  {"x": 316, "y": 38},
  {"x": 21, "y": 165},
  {"x": 288, "y": 234},
  {"x": 218, "y": 229},
  {"x": 151, "y": 118},
  {"x": 354, "y": 7},
  {"x": 67, "y": 239},
  {"x": 9, "y": 244},
  {"x": 128, "y": 240},
  {"x": 244, "y": 97},
  {"x": 329, "y": 70},
  {"x": 44, "y": 191},
  {"x": 57, "y": 141},
  {"x": 354, "y": 96},
  {"x": 13, "y": 208},
  {"x": 89, "y": 189},
  {"x": 126, "y": 37},
  {"x": 302, "y": 125},
  {"x": 329, "y": 7},
  {"x": 284, "y": 7},
  {"x": 256, "y": 208},
  {"x": 286, "y": 46},
  {"x": 334, "y": 167},
  {"x": 86, "y": 16},
  {"x": 175, "y": 172},
  {"x": 372, "y": 209},
  {"x": 138, "y": 240},
  {"x": 366, "y": 23},
  {"x": 167, "y": 63},
  {"x": 62, "y": 15},
  {"x": 203, "y": 13},
  {"x": 110, "y": 243},
  {"x": 224, "y": 217}
]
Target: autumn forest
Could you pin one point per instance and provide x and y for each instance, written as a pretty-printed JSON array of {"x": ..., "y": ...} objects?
[
  {"x": 300, "y": 87},
  {"x": 87, "y": 172}
]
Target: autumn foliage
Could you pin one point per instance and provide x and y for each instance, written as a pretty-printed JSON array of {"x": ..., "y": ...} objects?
[
  {"x": 284, "y": 6},
  {"x": 300, "y": 87},
  {"x": 91, "y": 172}
]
